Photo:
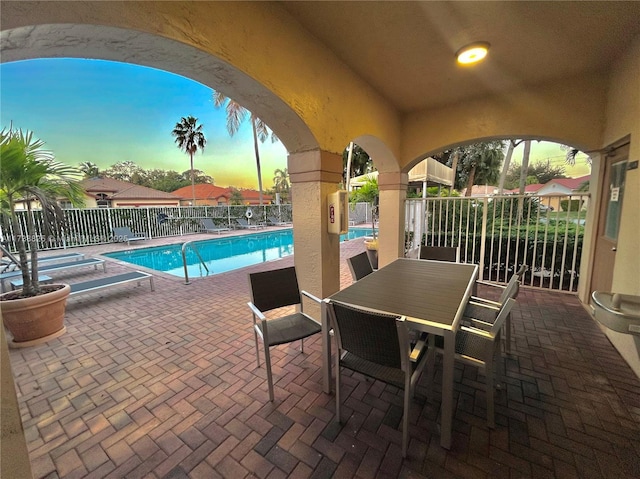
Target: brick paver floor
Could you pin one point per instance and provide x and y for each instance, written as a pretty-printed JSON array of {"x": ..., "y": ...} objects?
[{"x": 164, "y": 384}]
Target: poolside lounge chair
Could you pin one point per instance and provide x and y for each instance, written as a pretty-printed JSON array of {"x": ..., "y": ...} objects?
[
  {"x": 12, "y": 263},
  {"x": 273, "y": 221},
  {"x": 208, "y": 226},
  {"x": 124, "y": 233},
  {"x": 95, "y": 262},
  {"x": 246, "y": 225},
  {"x": 96, "y": 284}
]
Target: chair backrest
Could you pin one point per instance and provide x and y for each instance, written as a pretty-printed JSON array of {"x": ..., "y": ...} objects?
[
  {"x": 242, "y": 221},
  {"x": 208, "y": 223},
  {"x": 360, "y": 266},
  {"x": 274, "y": 289},
  {"x": 123, "y": 232},
  {"x": 505, "y": 309},
  {"x": 521, "y": 271},
  {"x": 370, "y": 335},
  {"x": 439, "y": 253},
  {"x": 511, "y": 289}
]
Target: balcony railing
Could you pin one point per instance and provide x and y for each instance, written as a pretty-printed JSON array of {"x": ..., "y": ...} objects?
[{"x": 500, "y": 233}]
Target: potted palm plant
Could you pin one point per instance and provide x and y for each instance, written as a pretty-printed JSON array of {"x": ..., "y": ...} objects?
[
  {"x": 31, "y": 176},
  {"x": 369, "y": 193}
]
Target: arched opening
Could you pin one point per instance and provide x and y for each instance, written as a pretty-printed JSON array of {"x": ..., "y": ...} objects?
[{"x": 129, "y": 46}]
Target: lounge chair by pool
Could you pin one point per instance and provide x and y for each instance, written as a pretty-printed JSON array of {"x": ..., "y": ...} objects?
[
  {"x": 273, "y": 221},
  {"x": 97, "y": 284},
  {"x": 208, "y": 226},
  {"x": 124, "y": 233},
  {"x": 246, "y": 225}
]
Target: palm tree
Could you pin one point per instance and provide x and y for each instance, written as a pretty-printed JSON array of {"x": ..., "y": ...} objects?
[
  {"x": 235, "y": 116},
  {"x": 90, "y": 170},
  {"x": 190, "y": 138},
  {"x": 281, "y": 181},
  {"x": 30, "y": 174}
]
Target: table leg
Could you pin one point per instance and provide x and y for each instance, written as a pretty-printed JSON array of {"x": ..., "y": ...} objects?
[
  {"x": 447, "y": 389},
  {"x": 326, "y": 350}
]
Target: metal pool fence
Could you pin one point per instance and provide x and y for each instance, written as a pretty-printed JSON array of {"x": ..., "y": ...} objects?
[{"x": 500, "y": 233}]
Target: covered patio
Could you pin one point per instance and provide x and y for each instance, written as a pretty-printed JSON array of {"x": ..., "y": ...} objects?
[
  {"x": 174, "y": 388},
  {"x": 134, "y": 390}
]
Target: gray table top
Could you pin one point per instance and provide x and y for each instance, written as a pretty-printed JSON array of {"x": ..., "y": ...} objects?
[{"x": 432, "y": 293}]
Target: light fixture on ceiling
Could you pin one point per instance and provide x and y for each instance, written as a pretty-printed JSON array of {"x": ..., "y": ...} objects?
[{"x": 472, "y": 53}]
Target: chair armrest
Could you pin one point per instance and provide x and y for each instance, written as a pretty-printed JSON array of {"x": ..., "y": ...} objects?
[
  {"x": 418, "y": 348},
  {"x": 487, "y": 283},
  {"x": 478, "y": 332},
  {"x": 311, "y": 297},
  {"x": 256, "y": 311},
  {"x": 483, "y": 302}
]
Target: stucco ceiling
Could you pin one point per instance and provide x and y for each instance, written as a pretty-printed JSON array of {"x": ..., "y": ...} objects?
[{"x": 406, "y": 50}]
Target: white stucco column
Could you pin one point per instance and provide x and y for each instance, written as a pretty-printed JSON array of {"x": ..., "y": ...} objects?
[
  {"x": 315, "y": 174},
  {"x": 393, "y": 192}
]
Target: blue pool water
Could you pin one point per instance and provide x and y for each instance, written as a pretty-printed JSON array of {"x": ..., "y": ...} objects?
[{"x": 220, "y": 254}]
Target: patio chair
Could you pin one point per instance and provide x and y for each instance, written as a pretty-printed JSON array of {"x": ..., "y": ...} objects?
[
  {"x": 273, "y": 221},
  {"x": 440, "y": 253},
  {"x": 124, "y": 233},
  {"x": 377, "y": 345},
  {"x": 208, "y": 226},
  {"x": 360, "y": 266},
  {"x": 479, "y": 347},
  {"x": 510, "y": 290},
  {"x": 271, "y": 290},
  {"x": 243, "y": 223}
]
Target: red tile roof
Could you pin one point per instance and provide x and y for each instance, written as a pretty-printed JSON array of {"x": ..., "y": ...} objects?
[
  {"x": 571, "y": 183},
  {"x": 527, "y": 189},
  {"x": 204, "y": 191}
]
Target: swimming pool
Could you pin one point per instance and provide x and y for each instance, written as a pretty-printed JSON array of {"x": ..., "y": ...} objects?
[{"x": 220, "y": 254}]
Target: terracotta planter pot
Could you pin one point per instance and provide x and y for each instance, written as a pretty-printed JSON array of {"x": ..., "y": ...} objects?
[{"x": 37, "y": 319}]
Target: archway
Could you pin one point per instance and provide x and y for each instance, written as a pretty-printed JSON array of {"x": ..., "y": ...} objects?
[{"x": 129, "y": 46}]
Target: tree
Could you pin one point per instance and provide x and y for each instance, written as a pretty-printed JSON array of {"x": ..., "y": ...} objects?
[
  {"x": 124, "y": 171},
  {"x": 507, "y": 162},
  {"x": 189, "y": 137},
  {"x": 541, "y": 171},
  {"x": 572, "y": 154},
  {"x": 361, "y": 162},
  {"x": 235, "y": 116},
  {"x": 281, "y": 182},
  {"x": 89, "y": 170},
  {"x": 368, "y": 193},
  {"x": 478, "y": 164},
  {"x": 199, "y": 176},
  {"x": 236, "y": 197}
]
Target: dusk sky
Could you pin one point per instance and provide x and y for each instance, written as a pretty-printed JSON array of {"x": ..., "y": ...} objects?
[{"x": 107, "y": 112}]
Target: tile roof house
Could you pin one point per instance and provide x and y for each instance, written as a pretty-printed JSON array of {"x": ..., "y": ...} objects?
[
  {"x": 107, "y": 192},
  {"x": 564, "y": 186},
  {"x": 206, "y": 194},
  {"x": 212, "y": 195}
]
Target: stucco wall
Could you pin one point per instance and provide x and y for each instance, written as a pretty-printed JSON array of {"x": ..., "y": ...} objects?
[
  {"x": 570, "y": 111},
  {"x": 623, "y": 118}
]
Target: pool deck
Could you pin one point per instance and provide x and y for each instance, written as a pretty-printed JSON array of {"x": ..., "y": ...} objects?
[{"x": 164, "y": 384}]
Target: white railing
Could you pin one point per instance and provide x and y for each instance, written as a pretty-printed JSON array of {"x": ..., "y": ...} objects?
[
  {"x": 90, "y": 226},
  {"x": 500, "y": 233}
]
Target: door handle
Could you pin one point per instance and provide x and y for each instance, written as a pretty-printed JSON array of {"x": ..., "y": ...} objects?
[{"x": 614, "y": 249}]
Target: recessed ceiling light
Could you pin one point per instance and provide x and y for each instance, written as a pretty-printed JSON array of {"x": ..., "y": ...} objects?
[{"x": 472, "y": 53}]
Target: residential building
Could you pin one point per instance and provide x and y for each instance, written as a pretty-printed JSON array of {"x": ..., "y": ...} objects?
[{"x": 110, "y": 193}]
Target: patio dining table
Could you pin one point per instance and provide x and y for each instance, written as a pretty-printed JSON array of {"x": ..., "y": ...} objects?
[{"x": 431, "y": 294}]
